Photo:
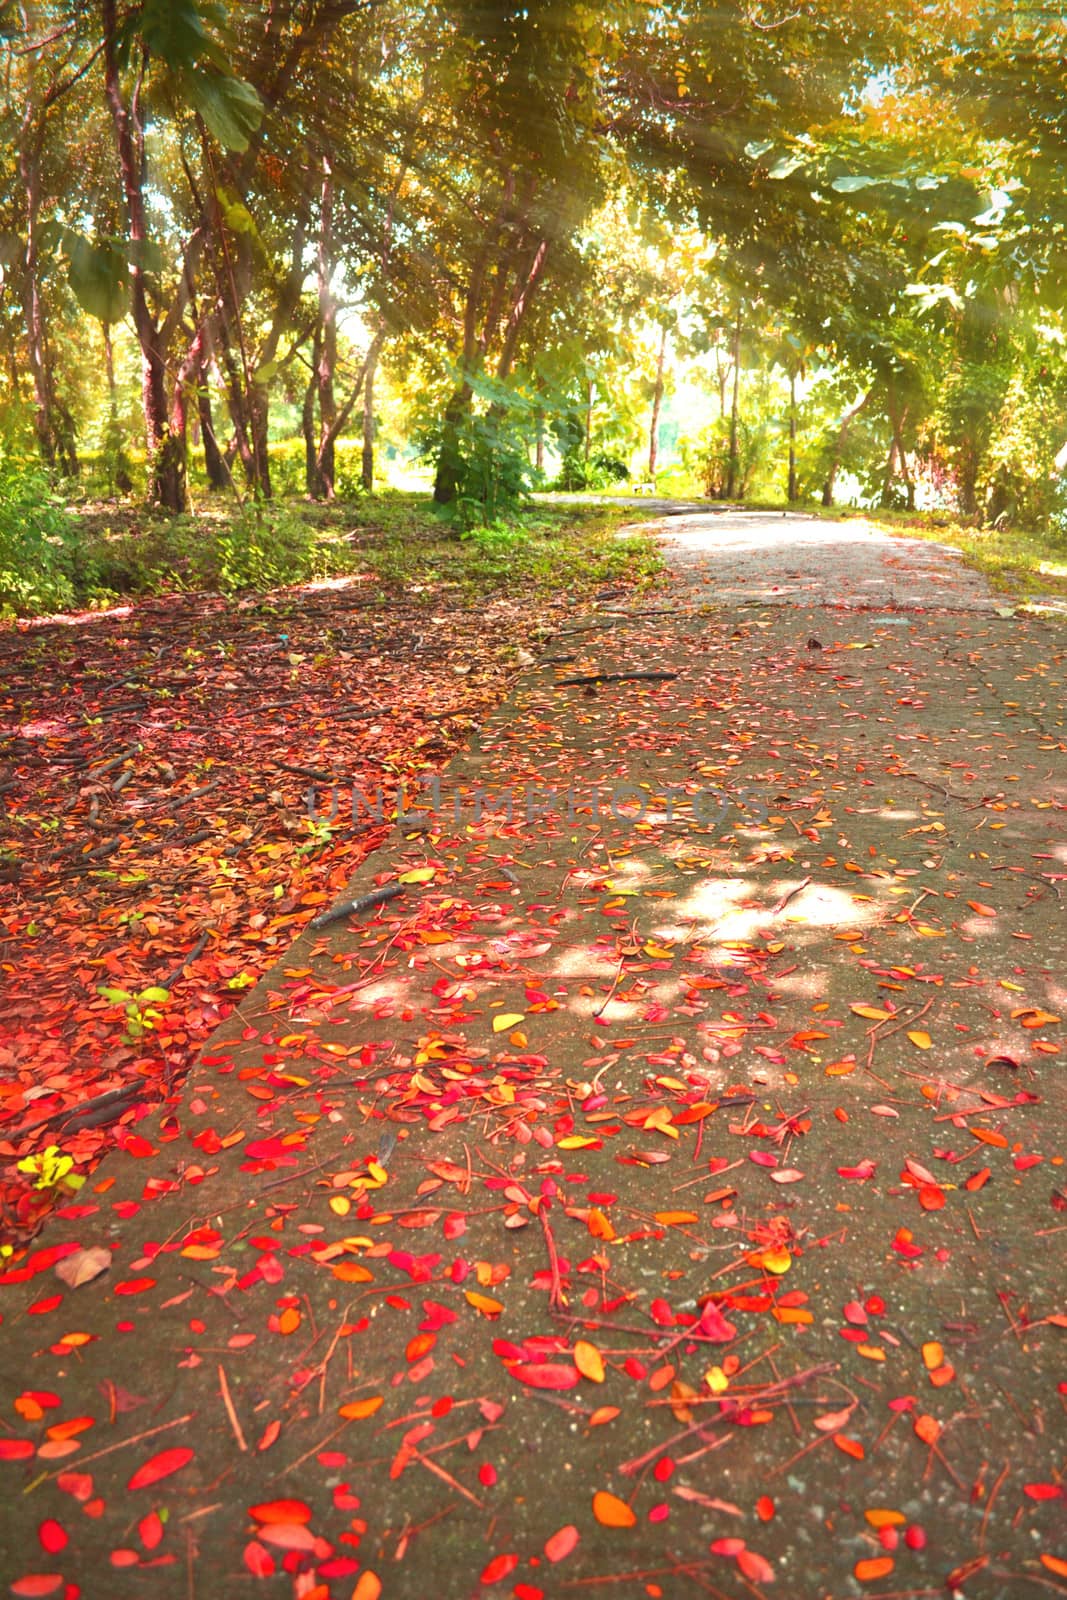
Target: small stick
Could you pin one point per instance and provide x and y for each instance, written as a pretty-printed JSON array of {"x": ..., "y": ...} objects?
[
  {"x": 446, "y": 1477},
  {"x": 198, "y": 949},
  {"x": 615, "y": 677},
  {"x": 989, "y": 1506},
  {"x": 789, "y": 895},
  {"x": 351, "y": 908},
  {"x": 231, "y": 1411},
  {"x": 556, "y": 1299}
]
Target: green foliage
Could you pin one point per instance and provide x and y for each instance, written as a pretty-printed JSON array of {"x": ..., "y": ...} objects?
[
  {"x": 710, "y": 458},
  {"x": 599, "y": 472},
  {"x": 254, "y": 546},
  {"x": 288, "y": 472},
  {"x": 487, "y": 453},
  {"x": 37, "y": 543},
  {"x": 139, "y": 1009}
]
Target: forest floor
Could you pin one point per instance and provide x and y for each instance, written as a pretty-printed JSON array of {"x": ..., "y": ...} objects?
[
  {"x": 157, "y": 760},
  {"x": 657, "y": 1189}
]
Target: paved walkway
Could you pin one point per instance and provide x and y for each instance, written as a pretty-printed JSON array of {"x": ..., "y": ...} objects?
[{"x": 662, "y": 1196}]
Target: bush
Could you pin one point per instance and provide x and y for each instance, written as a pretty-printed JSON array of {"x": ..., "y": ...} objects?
[
  {"x": 256, "y": 546},
  {"x": 288, "y": 470},
  {"x": 37, "y": 543},
  {"x": 602, "y": 469},
  {"x": 711, "y": 459},
  {"x": 488, "y": 457}
]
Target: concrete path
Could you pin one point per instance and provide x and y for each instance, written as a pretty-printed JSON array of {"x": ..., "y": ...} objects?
[
  {"x": 663, "y": 1194},
  {"x": 778, "y": 559}
]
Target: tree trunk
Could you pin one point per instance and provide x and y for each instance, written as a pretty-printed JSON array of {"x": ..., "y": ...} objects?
[
  {"x": 218, "y": 473},
  {"x": 312, "y": 481},
  {"x": 449, "y": 460},
  {"x": 366, "y": 469},
  {"x": 166, "y": 455},
  {"x": 327, "y": 362},
  {"x": 539, "y": 446},
  {"x": 587, "y": 444},
  {"x": 115, "y": 452},
  {"x": 898, "y": 457},
  {"x": 843, "y": 432},
  {"x": 657, "y": 401},
  {"x": 259, "y": 419},
  {"x": 735, "y": 463},
  {"x": 792, "y": 489},
  {"x": 53, "y": 423},
  {"x": 968, "y": 458}
]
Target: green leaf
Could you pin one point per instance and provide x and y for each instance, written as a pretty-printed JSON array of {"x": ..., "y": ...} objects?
[
  {"x": 155, "y": 995},
  {"x": 231, "y": 108},
  {"x": 851, "y": 182},
  {"x": 97, "y": 273}
]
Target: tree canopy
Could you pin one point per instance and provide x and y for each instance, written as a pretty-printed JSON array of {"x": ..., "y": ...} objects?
[{"x": 525, "y": 224}]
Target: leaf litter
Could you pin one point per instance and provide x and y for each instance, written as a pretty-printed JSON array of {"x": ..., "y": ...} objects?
[{"x": 648, "y": 1205}]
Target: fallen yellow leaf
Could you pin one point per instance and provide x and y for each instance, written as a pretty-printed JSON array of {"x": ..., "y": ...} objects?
[{"x": 589, "y": 1361}]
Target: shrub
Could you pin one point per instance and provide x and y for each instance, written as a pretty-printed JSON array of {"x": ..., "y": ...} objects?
[
  {"x": 255, "y": 546},
  {"x": 37, "y": 543},
  {"x": 602, "y": 469}
]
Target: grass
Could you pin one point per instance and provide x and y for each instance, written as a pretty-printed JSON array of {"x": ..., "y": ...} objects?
[
  {"x": 393, "y": 542},
  {"x": 576, "y": 548}
]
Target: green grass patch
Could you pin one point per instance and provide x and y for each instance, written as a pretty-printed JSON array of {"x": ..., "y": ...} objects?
[
  {"x": 390, "y": 543},
  {"x": 402, "y": 543}
]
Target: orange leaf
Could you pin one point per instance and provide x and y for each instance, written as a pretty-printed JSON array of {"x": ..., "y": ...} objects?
[
  {"x": 368, "y": 1586},
  {"x": 980, "y": 910},
  {"x": 879, "y": 1517},
  {"x": 349, "y": 1272},
  {"x": 484, "y": 1303},
  {"x": 756, "y": 1568},
  {"x": 611, "y": 1512},
  {"x": 599, "y": 1225},
  {"x": 355, "y": 1410},
  {"x": 603, "y": 1414},
  {"x": 589, "y": 1361},
  {"x": 851, "y": 1447},
  {"x": 876, "y": 1567},
  {"x": 928, "y": 1428},
  {"x": 281, "y": 1511},
  {"x": 933, "y": 1355}
]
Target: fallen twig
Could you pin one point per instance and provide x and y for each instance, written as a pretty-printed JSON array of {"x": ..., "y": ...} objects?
[
  {"x": 198, "y": 949},
  {"x": 616, "y": 677},
  {"x": 231, "y": 1411},
  {"x": 351, "y": 908}
]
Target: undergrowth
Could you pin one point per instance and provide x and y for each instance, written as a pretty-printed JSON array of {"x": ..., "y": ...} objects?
[{"x": 54, "y": 559}]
